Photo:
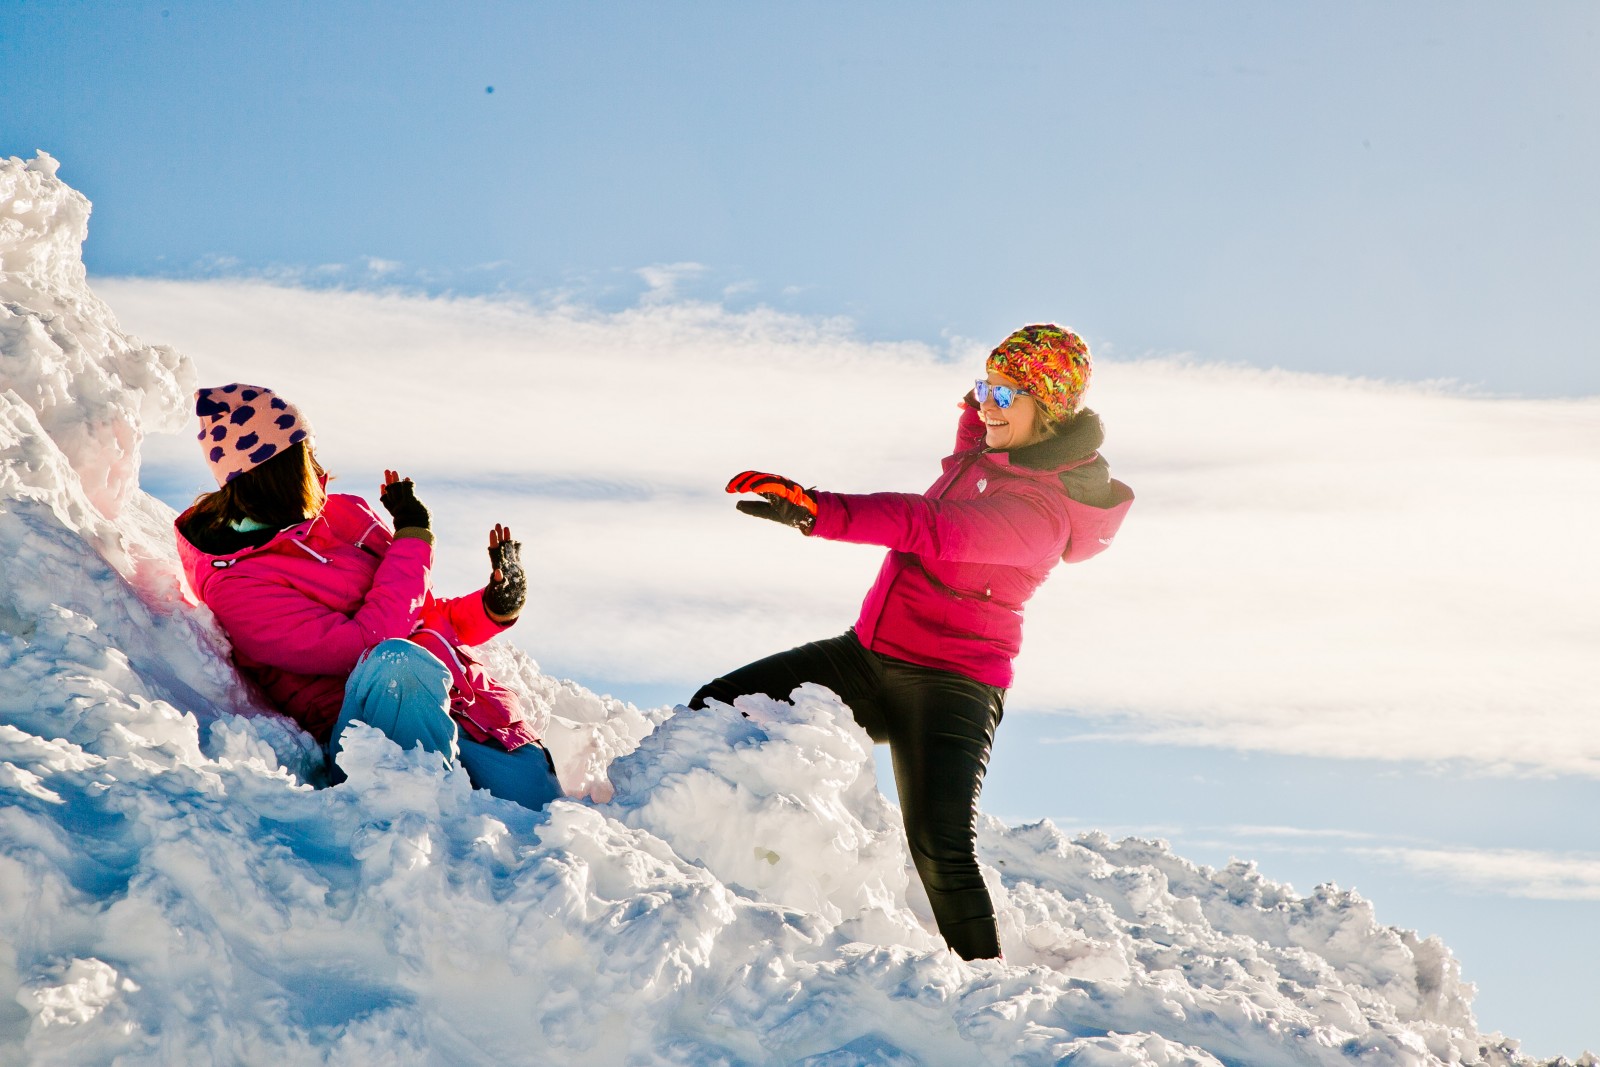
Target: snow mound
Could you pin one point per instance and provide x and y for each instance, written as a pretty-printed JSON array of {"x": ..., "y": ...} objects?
[
  {"x": 65, "y": 357},
  {"x": 718, "y": 889}
]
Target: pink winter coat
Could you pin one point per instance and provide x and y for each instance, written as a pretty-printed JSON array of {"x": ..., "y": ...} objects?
[
  {"x": 966, "y": 555},
  {"x": 304, "y": 608}
]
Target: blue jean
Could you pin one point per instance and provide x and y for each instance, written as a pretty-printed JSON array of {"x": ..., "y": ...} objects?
[{"x": 403, "y": 690}]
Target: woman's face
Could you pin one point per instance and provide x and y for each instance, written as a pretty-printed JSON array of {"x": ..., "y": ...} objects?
[{"x": 1007, "y": 428}]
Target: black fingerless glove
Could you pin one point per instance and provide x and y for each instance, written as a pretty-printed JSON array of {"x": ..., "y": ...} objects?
[
  {"x": 506, "y": 597},
  {"x": 400, "y": 500}
]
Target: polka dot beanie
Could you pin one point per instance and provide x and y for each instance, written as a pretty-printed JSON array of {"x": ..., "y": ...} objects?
[
  {"x": 243, "y": 426},
  {"x": 1051, "y": 365}
]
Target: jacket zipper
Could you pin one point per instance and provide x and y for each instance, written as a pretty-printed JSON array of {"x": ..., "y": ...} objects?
[{"x": 361, "y": 542}]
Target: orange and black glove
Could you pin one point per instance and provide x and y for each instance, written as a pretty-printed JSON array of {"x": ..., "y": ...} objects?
[{"x": 783, "y": 500}]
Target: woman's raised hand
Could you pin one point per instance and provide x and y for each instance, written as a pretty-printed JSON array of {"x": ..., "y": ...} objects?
[
  {"x": 507, "y": 590},
  {"x": 399, "y": 498}
]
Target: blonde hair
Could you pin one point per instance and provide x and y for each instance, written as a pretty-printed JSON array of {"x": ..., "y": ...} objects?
[{"x": 1044, "y": 424}]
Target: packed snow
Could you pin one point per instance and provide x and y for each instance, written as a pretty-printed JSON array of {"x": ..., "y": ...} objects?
[{"x": 177, "y": 885}]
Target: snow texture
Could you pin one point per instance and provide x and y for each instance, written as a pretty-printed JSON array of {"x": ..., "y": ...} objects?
[{"x": 175, "y": 887}]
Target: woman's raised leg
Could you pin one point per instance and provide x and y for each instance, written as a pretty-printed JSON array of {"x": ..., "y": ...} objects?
[
  {"x": 403, "y": 690},
  {"x": 840, "y": 663}
]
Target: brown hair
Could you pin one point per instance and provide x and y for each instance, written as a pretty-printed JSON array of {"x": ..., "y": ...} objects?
[{"x": 286, "y": 489}]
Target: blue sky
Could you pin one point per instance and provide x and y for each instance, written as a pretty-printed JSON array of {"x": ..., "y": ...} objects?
[
  {"x": 1361, "y": 189},
  {"x": 1384, "y": 190}
]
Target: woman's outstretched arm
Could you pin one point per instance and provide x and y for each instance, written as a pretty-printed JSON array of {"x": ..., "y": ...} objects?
[
  {"x": 480, "y": 615},
  {"x": 1017, "y": 528}
]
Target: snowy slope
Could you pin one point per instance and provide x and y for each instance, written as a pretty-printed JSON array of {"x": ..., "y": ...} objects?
[{"x": 720, "y": 890}]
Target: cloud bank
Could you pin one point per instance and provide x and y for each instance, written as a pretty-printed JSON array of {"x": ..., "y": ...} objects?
[
  {"x": 1511, "y": 872},
  {"x": 1318, "y": 566},
  {"x": 1524, "y": 873}
]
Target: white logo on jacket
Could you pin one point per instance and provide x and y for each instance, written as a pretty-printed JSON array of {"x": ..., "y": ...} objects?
[{"x": 983, "y": 483}]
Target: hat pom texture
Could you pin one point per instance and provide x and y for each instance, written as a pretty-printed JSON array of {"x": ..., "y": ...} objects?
[
  {"x": 243, "y": 426},
  {"x": 1049, "y": 363}
]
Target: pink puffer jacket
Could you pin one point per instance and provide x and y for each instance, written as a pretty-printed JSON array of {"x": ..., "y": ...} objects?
[
  {"x": 304, "y": 608},
  {"x": 966, "y": 555}
]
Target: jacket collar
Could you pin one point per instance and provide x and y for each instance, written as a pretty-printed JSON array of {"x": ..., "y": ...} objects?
[
  {"x": 1077, "y": 439},
  {"x": 211, "y": 552}
]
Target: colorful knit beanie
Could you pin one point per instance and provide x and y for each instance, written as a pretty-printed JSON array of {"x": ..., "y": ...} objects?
[
  {"x": 243, "y": 426},
  {"x": 1049, "y": 363}
]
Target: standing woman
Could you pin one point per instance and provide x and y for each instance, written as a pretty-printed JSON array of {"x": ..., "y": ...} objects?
[
  {"x": 926, "y": 667},
  {"x": 333, "y": 615}
]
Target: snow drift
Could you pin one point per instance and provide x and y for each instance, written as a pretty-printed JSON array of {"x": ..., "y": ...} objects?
[{"x": 175, "y": 888}]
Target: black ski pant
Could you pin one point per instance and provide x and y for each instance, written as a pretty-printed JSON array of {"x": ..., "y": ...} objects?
[{"x": 939, "y": 727}]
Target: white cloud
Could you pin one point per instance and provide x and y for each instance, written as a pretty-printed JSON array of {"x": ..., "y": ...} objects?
[
  {"x": 1523, "y": 873},
  {"x": 663, "y": 279},
  {"x": 1511, "y": 872},
  {"x": 1300, "y": 833},
  {"x": 1314, "y": 565}
]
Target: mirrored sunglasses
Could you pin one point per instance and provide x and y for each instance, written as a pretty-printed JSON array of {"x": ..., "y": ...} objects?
[{"x": 1003, "y": 394}]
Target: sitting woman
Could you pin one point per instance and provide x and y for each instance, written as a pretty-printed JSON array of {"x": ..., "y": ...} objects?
[
  {"x": 334, "y": 617},
  {"x": 926, "y": 667}
]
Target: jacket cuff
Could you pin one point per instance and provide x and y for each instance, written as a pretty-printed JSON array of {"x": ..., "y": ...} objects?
[
  {"x": 478, "y": 626},
  {"x": 421, "y": 533},
  {"x": 832, "y": 516},
  {"x": 483, "y": 600}
]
